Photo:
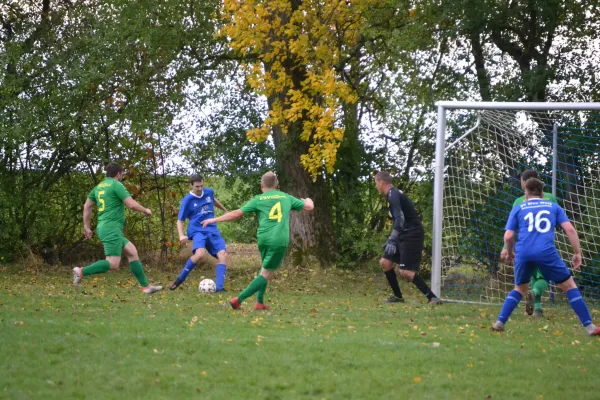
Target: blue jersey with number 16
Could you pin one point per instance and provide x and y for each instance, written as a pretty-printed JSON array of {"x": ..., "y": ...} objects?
[{"x": 534, "y": 221}]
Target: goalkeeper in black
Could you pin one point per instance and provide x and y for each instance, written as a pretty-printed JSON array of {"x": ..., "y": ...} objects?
[{"x": 405, "y": 244}]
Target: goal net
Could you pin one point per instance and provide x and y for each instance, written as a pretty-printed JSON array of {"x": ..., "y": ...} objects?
[{"x": 478, "y": 178}]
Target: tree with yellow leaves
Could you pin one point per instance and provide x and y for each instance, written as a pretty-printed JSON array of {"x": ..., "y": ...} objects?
[
  {"x": 296, "y": 45},
  {"x": 294, "y": 50}
]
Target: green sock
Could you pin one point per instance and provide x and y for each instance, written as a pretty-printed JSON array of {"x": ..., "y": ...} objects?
[
  {"x": 260, "y": 295},
  {"x": 252, "y": 288},
  {"x": 539, "y": 287},
  {"x": 99, "y": 267},
  {"x": 138, "y": 271}
]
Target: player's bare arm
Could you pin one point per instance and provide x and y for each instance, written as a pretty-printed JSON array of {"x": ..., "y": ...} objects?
[
  {"x": 509, "y": 243},
  {"x": 182, "y": 238},
  {"x": 87, "y": 217},
  {"x": 135, "y": 206},
  {"x": 219, "y": 205},
  {"x": 230, "y": 216},
  {"x": 574, "y": 241},
  {"x": 308, "y": 204}
]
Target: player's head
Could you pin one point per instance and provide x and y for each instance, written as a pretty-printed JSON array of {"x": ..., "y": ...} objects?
[
  {"x": 383, "y": 181},
  {"x": 528, "y": 173},
  {"x": 114, "y": 170},
  {"x": 534, "y": 188},
  {"x": 268, "y": 181},
  {"x": 197, "y": 182}
]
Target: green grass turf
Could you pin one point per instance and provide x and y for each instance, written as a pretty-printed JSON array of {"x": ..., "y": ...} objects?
[{"x": 327, "y": 336}]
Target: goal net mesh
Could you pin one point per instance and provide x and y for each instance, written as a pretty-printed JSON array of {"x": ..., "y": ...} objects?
[{"x": 482, "y": 180}]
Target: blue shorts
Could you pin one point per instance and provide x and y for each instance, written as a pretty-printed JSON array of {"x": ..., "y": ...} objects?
[
  {"x": 211, "y": 241},
  {"x": 552, "y": 267}
]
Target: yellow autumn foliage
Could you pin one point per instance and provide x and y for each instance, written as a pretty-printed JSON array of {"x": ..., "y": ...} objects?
[{"x": 311, "y": 39}]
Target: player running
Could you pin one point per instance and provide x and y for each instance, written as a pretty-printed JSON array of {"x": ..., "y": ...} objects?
[
  {"x": 535, "y": 221},
  {"x": 197, "y": 206},
  {"x": 110, "y": 196},
  {"x": 273, "y": 209},
  {"x": 405, "y": 244}
]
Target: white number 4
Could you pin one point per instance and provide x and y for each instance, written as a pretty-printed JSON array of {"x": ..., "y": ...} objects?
[{"x": 542, "y": 225}]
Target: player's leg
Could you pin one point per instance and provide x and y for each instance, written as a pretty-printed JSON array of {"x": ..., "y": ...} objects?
[
  {"x": 137, "y": 269},
  {"x": 111, "y": 240},
  {"x": 523, "y": 271},
  {"x": 530, "y": 296},
  {"x": 538, "y": 287},
  {"x": 260, "y": 295},
  {"x": 271, "y": 257},
  {"x": 198, "y": 254},
  {"x": 411, "y": 250},
  {"x": 562, "y": 276},
  {"x": 217, "y": 248},
  {"x": 387, "y": 264}
]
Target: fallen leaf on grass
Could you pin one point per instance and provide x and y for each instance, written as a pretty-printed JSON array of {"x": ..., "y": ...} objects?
[{"x": 417, "y": 379}]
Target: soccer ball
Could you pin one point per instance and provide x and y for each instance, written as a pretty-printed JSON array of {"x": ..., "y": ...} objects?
[{"x": 207, "y": 286}]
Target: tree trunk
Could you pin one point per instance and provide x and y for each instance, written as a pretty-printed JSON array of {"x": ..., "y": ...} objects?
[{"x": 311, "y": 234}]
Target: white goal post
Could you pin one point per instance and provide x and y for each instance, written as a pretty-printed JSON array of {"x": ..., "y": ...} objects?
[{"x": 481, "y": 148}]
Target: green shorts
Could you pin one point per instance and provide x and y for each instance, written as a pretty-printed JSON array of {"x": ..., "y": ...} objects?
[
  {"x": 112, "y": 238},
  {"x": 271, "y": 256},
  {"x": 537, "y": 274}
]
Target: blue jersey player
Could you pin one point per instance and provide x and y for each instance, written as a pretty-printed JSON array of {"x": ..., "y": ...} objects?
[
  {"x": 534, "y": 221},
  {"x": 198, "y": 205}
]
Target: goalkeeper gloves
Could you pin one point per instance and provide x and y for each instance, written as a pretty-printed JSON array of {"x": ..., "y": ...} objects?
[{"x": 390, "y": 245}]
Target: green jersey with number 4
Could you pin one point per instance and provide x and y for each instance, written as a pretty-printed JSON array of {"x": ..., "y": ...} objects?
[
  {"x": 273, "y": 211},
  {"x": 109, "y": 196}
]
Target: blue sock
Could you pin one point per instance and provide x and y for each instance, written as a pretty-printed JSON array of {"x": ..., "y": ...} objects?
[
  {"x": 189, "y": 266},
  {"x": 220, "y": 276},
  {"x": 578, "y": 305},
  {"x": 511, "y": 302}
]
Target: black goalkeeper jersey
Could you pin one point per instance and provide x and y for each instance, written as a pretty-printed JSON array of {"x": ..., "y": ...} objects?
[{"x": 403, "y": 212}]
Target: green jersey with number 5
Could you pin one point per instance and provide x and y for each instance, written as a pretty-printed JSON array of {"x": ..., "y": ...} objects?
[
  {"x": 109, "y": 196},
  {"x": 273, "y": 211}
]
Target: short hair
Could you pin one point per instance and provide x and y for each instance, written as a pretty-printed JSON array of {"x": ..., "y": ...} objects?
[
  {"x": 196, "y": 178},
  {"x": 529, "y": 173},
  {"x": 112, "y": 169},
  {"x": 534, "y": 187},
  {"x": 269, "y": 180},
  {"x": 384, "y": 176}
]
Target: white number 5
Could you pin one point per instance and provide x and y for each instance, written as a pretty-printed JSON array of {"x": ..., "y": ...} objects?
[{"x": 542, "y": 225}]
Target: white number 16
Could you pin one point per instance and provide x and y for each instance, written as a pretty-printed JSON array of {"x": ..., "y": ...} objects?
[{"x": 542, "y": 225}]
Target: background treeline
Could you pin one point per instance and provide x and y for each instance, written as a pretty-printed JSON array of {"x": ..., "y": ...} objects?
[{"x": 172, "y": 87}]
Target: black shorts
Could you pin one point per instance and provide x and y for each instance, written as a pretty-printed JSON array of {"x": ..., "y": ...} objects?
[{"x": 409, "y": 249}]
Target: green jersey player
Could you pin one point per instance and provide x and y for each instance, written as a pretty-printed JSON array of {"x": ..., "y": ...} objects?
[
  {"x": 111, "y": 197},
  {"x": 538, "y": 285},
  {"x": 273, "y": 209}
]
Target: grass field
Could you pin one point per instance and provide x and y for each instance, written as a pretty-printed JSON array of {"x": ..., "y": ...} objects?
[{"x": 327, "y": 336}]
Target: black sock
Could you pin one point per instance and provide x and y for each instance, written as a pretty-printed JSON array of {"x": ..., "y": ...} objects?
[
  {"x": 393, "y": 281},
  {"x": 420, "y": 283}
]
